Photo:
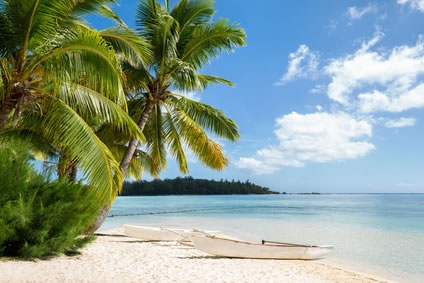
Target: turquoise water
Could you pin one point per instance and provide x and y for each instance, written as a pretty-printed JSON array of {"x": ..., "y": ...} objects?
[{"x": 379, "y": 233}]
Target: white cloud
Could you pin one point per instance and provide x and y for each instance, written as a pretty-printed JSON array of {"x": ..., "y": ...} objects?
[
  {"x": 256, "y": 166},
  {"x": 414, "y": 4},
  {"x": 317, "y": 137},
  {"x": 393, "y": 73},
  {"x": 378, "y": 101},
  {"x": 400, "y": 123},
  {"x": 355, "y": 13},
  {"x": 302, "y": 64}
]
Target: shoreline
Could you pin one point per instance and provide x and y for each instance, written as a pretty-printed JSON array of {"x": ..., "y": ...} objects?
[{"x": 114, "y": 257}]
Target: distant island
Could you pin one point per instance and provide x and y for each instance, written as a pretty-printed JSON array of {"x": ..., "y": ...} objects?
[{"x": 191, "y": 186}]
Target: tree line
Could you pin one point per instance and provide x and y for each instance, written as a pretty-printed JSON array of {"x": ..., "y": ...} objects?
[{"x": 191, "y": 186}]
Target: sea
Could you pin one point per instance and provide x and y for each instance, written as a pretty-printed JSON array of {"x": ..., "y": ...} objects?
[{"x": 378, "y": 234}]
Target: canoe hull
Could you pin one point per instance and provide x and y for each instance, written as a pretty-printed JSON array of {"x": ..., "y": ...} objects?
[
  {"x": 150, "y": 233},
  {"x": 160, "y": 234},
  {"x": 226, "y": 248}
]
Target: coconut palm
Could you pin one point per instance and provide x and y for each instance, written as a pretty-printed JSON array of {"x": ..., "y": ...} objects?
[
  {"x": 183, "y": 40},
  {"x": 57, "y": 75}
]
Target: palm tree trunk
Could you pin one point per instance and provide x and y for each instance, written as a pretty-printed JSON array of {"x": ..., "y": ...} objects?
[
  {"x": 5, "y": 110},
  {"x": 99, "y": 220},
  {"x": 125, "y": 163},
  {"x": 73, "y": 173},
  {"x": 132, "y": 146},
  {"x": 66, "y": 168}
]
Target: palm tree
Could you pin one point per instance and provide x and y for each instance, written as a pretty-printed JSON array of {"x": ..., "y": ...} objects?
[
  {"x": 183, "y": 40},
  {"x": 57, "y": 75}
]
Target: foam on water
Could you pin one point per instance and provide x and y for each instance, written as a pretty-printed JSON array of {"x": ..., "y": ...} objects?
[{"x": 384, "y": 232}]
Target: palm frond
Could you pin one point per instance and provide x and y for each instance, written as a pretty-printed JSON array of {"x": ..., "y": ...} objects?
[
  {"x": 128, "y": 46},
  {"x": 9, "y": 39},
  {"x": 89, "y": 103},
  {"x": 147, "y": 17},
  {"x": 206, "y": 80},
  {"x": 173, "y": 140},
  {"x": 190, "y": 13},
  {"x": 160, "y": 29},
  {"x": 66, "y": 130},
  {"x": 208, "y": 41},
  {"x": 155, "y": 138},
  {"x": 108, "y": 13},
  {"x": 83, "y": 55},
  {"x": 166, "y": 40},
  {"x": 82, "y": 8},
  {"x": 33, "y": 22},
  {"x": 141, "y": 162},
  {"x": 184, "y": 76},
  {"x": 209, "y": 152},
  {"x": 28, "y": 25},
  {"x": 136, "y": 79},
  {"x": 207, "y": 117}
]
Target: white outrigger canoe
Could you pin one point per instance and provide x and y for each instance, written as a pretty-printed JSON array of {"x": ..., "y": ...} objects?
[
  {"x": 267, "y": 250},
  {"x": 163, "y": 234}
]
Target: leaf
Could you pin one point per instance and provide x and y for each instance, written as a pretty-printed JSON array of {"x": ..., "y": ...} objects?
[
  {"x": 174, "y": 142},
  {"x": 207, "y": 117},
  {"x": 65, "y": 129},
  {"x": 83, "y": 55},
  {"x": 128, "y": 46},
  {"x": 209, "y": 152},
  {"x": 89, "y": 103},
  {"x": 155, "y": 138},
  {"x": 208, "y": 42}
]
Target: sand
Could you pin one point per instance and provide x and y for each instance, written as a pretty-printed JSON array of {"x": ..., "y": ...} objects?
[{"x": 117, "y": 258}]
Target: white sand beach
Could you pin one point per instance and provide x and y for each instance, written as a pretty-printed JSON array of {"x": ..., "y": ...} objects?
[{"x": 117, "y": 258}]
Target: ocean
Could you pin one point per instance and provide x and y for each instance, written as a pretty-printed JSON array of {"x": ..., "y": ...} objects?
[{"x": 380, "y": 234}]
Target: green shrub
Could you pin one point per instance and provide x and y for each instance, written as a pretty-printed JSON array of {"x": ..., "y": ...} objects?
[{"x": 40, "y": 217}]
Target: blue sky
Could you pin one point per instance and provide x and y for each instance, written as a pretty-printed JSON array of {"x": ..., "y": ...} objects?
[{"x": 329, "y": 95}]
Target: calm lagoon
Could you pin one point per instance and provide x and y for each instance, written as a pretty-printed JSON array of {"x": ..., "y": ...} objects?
[{"x": 380, "y": 234}]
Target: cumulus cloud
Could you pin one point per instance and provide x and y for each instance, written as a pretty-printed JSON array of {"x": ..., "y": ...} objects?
[
  {"x": 365, "y": 82},
  {"x": 355, "y": 13},
  {"x": 378, "y": 101},
  {"x": 414, "y": 4},
  {"x": 385, "y": 76},
  {"x": 400, "y": 123},
  {"x": 256, "y": 166},
  {"x": 302, "y": 64},
  {"x": 316, "y": 137}
]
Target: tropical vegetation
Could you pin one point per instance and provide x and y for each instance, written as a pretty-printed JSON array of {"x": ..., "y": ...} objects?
[
  {"x": 59, "y": 77},
  {"x": 39, "y": 216},
  {"x": 84, "y": 99},
  {"x": 190, "y": 186},
  {"x": 182, "y": 40}
]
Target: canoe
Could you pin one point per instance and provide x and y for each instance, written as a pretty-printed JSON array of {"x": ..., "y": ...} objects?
[
  {"x": 163, "y": 234},
  {"x": 267, "y": 250}
]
